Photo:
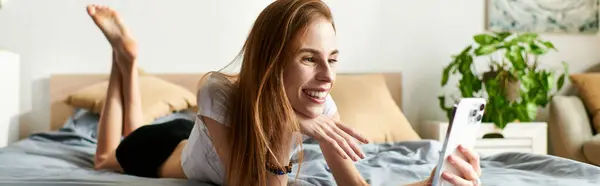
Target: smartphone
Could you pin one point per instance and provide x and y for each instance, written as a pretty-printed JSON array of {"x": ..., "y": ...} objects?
[{"x": 463, "y": 129}]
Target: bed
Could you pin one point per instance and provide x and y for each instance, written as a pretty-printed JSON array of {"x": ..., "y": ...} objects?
[{"x": 64, "y": 155}]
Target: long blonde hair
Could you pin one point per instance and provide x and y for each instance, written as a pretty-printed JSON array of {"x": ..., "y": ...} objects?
[{"x": 259, "y": 109}]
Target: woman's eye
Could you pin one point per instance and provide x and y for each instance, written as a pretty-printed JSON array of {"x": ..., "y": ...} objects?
[
  {"x": 332, "y": 60},
  {"x": 309, "y": 59}
]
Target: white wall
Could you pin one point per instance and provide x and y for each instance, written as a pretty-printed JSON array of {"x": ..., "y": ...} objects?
[{"x": 415, "y": 37}]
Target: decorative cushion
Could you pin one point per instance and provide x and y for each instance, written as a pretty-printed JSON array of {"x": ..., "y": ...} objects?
[
  {"x": 159, "y": 97},
  {"x": 591, "y": 149},
  {"x": 588, "y": 85},
  {"x": 365, "y": 103}
]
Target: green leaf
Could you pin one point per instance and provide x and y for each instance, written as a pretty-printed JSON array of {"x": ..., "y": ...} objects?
[
  {"x": 502, "y": 118},
  {"x": 485, "y": 39},
  {"x": 446, "y": 74},
  {"x": 485, "y": 50},
  {"x": 549, "y": 45},
  {"x": 465, "y": 86},
  {"x": 465, "y": 51},
  {"x": 498, "y": 111},
  {"x": 500, "y": 100},
  {"x": 535, "y": 49},
  {"x": 541, "y": 99},
  {"x": 477, "y": 85},
  {"x": 515, "y": 56},
  {"x": 491, "y": 87},
  {"x": 560, "y": 82},
  {"x": 547, "y": 81},
  {"x": 464, "y": 65},
  {"x": 532, "y": 109},
  {"x": 531, "y": 84},
  {"x": 502, "y": 35},
  {"x": 442, "y": 102},
  {"x": 561, "y": 79},
  {"x": 491, "y": 91},
  {"x": 521, "y": 112},
  {"x": 527, "y": 37}
]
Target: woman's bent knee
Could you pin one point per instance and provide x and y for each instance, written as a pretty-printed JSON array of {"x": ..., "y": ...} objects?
[{"x": 107, "y": 163}]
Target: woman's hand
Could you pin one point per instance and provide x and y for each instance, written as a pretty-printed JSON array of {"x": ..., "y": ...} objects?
[
  {"x": 328, "y": 130},
  {"x": 469, "y": 168}
]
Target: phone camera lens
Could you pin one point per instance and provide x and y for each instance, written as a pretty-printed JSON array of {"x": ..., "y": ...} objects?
[
  {"x": 474, "y": 112},
  {"x": 478, "y": 118},
  {"x": 481, "y": 107}
]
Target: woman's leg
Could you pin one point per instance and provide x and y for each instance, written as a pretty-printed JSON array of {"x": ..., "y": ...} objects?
[
  {"x": 122, "y": 111},
  {"x": 125, "y": 47},
  {"x": 111, "y": 123},
  {"x": 131, "y": 95}
]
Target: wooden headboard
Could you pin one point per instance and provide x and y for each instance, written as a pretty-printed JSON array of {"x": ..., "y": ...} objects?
[{"x": 61, "y": 85}]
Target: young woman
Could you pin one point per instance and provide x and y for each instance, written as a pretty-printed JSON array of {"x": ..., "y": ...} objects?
[{"x": 247, "y": 124}]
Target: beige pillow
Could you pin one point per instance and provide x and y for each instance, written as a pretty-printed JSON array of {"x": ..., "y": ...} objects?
[
  {"x": 588, "y": 85},
  {"x": 159, "y": 97},
  {"x": 365, "y": 103}
]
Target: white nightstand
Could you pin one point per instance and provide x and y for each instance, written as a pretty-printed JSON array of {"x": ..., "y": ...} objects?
[
  {"x": 518, "y": 137},
  {"x": 9, "y": 97}
]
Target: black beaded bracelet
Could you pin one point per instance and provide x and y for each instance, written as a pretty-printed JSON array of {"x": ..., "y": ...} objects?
[{"x": 279, "y": 171}]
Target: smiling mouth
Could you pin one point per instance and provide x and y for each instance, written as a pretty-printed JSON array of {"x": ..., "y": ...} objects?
[{"x": 319, "y": 95}]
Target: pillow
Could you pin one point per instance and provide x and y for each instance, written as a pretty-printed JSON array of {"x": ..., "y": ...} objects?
[
  {"x": 364, "y": 102},
  {"x": 159, "y": 97},
  {"x": 588, "y": 85}
]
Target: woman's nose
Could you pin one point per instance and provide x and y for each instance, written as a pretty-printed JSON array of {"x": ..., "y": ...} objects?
[{"x": 326, "y": 74}]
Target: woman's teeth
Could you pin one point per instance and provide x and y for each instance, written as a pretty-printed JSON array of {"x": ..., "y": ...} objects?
[{"x": 316, "y": 94}]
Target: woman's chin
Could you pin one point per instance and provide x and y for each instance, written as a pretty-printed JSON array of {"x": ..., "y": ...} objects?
[{"x": 310, "y": 112}]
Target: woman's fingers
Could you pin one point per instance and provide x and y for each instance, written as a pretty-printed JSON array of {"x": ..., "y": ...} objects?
[
  {"x": 351, "y": 142},
  {"x": 464, "y": 167},
  {"x": 341, "y": 142},
  {"x": 352, "y": 132},
  {"x": 472, "y": 158},
  {"x": 335, "y": 145},
  {"x": 456, "y": 180}
]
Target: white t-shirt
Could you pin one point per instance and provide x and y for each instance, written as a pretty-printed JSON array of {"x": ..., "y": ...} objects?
[{"x": 199, "y": 158}]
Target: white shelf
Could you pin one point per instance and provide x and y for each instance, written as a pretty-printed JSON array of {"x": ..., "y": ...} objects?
[
  {"x": 506, "y": 142},
  {"x": 9, "y": 97},
  {"x": 518, "y": 137}
]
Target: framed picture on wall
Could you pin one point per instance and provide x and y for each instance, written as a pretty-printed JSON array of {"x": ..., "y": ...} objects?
[{"x": 543, "y": 16}]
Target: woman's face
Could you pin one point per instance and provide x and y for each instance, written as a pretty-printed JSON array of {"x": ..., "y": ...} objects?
[{"x": 311, "y": 73}]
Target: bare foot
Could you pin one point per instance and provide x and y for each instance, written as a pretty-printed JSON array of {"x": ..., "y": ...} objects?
[{"x": 115, "y": 31}]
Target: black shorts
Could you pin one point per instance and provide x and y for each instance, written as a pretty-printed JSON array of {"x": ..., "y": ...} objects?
[{"x": 148, "y": 147}]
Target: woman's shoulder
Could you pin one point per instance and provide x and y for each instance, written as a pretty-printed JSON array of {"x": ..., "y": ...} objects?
[
  {"x": 215, "y": 81},
  {"x": 330, "y": 108},
  {"x": 213, "y": 96}
]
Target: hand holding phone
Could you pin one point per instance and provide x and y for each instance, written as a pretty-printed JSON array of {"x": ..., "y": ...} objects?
[{"x": 458, "y": 163}]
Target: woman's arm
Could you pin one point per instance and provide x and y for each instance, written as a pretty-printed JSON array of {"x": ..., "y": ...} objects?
[
  {"x": 344, "y": 171},
  {"x": 283, "y": 157},
  {"x": 219, "y": 134}
]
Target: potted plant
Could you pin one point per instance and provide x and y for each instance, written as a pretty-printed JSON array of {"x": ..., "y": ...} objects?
[{"x": 515, "y": 86}]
